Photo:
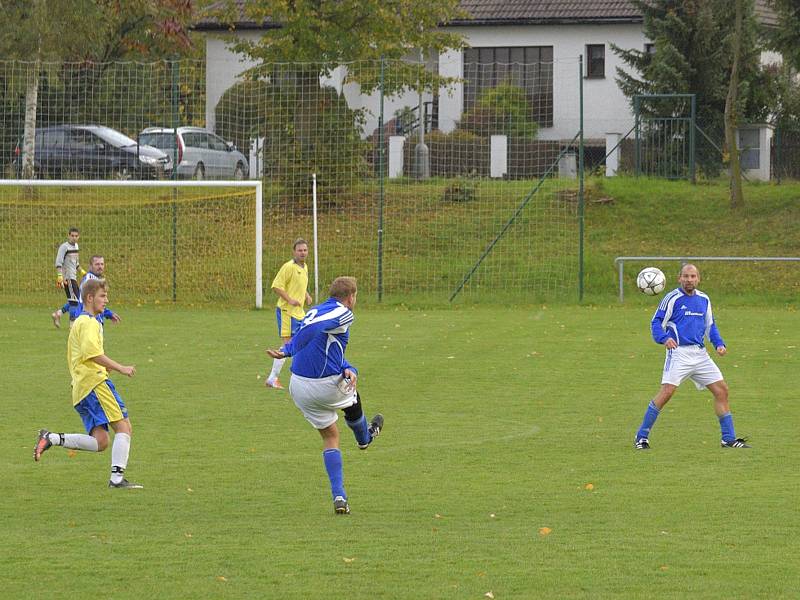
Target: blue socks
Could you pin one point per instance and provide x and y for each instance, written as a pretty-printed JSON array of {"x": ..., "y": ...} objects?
[
  {"x": 360, "y": 430},
  {"x": 726, "y": 427},
  {"x": 650, "y": 416},
  {"x": 333, "y": 465}
]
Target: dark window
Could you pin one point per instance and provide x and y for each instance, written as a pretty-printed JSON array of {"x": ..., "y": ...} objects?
[
  {"x": 650, "y": 49},
  {"x": 530, "y": 68},
  {"x": 751, "y": 154},
  {"x": 595, "y": 61}
]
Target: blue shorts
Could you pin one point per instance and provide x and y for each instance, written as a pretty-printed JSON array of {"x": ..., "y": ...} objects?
[
  {"x": 102, "y": 406},
  {"x": 287, "y": 326}
]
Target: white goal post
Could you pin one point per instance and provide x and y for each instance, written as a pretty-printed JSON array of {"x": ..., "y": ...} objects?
[{"x": 255, "y": 184}]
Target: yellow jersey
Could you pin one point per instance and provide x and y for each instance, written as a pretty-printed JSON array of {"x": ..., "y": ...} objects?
[
  {"x": 292, "y": 279},
  {"x": 85, "y": 343}
]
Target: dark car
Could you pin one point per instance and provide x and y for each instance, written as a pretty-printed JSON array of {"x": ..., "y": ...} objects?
[{"x": 92, "y": 152}]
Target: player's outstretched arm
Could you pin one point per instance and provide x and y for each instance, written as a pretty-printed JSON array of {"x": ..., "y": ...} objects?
[{"x": 112, "y": 365}]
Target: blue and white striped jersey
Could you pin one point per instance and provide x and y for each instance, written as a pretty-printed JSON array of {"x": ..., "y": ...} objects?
[
  {"x": 107, "y": 312},
  {"x": 318, "y": 346},
  {"x": 687, "y": 319}
]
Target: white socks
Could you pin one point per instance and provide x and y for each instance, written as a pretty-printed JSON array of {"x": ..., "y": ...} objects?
[
  {"x": 277, "y": 365},
  {"x": 119, "y": 455},
  {"x": 74, "y": 441}
]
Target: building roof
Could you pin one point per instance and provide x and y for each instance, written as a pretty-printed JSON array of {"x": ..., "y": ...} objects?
[{"x": 517, "y": 12}]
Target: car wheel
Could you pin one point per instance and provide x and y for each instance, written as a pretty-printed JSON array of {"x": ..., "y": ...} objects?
[
  {"x": 238, "y": 173},
  {"x": 200, "y": 172}
]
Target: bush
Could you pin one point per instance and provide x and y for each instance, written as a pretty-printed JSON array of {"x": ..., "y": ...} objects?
[
  {"x": 307, "y": 129},
  {"x": 501, "y": 110}
]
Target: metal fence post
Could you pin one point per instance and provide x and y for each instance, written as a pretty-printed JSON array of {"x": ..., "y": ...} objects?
[
  {"x": 692, "y": 161},
  {"x": 381, "y": 180},
  {"x": 580, "y": 183}
]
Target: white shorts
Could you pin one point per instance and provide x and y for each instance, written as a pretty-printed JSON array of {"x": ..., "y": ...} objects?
[
  {"x": 319, "y": 399},
  {"x": 690, "y": 362}
]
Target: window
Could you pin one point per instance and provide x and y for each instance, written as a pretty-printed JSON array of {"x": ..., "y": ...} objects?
[
  {"x": 595, "y": 61},
  {"x": 530, "y": 68},
  {"x": 650, "y": 49},
  {"x": 217, "y": 143},
  {"x": 748, "y": 146},
  {"x": 195, "y": 140}
]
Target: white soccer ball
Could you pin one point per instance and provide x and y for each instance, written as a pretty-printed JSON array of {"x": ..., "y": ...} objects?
[{"x": 651, "y": 281}]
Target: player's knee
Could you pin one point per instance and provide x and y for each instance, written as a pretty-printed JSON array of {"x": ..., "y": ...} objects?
[{"x": 354, "y": 412}]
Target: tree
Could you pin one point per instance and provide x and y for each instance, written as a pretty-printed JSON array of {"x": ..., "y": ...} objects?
[
  {"x": 732, "y": 110},
  {"x": 785, "y": 37},
  {"x": 693, "y": 56},
  {"x": 52, "y": 32}
]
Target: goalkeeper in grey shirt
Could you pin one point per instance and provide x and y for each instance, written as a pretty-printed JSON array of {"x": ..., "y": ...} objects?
[{"x": 67, "y": 269}]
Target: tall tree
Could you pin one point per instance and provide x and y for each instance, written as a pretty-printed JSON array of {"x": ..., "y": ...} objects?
[
  {"x": 51, "y": 32},
  {"x": 692, "y": 55},
  {"x": 307, "y": 39},
  {"x": 732, "y": 109},
  {"x": 785, "y": 37}
]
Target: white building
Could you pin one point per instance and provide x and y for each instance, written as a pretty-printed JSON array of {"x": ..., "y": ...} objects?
[{"x": 535, "y": 43}]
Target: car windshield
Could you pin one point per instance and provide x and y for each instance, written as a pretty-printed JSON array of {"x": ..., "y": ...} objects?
[
  {"x": 114, "y": 137},
  {"x": 159, "y": 140}
]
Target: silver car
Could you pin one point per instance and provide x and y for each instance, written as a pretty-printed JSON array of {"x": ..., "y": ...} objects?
[{"x": 201, "y": 154}]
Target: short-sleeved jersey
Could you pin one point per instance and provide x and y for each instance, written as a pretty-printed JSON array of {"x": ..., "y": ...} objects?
[
  {"x": 318, "y": 346},
  {"x": 107, "y": 312},
  {"x": 685, "y": 318},
  {"x": 85, "y": 343},
  {"x": 292, "y": 279},
  {"x": 67, "y": 260}
]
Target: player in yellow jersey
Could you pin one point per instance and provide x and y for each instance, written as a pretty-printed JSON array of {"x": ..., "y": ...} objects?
[
  {"x": 291, "y": 286},
  {"x": 93, "y": 394}
]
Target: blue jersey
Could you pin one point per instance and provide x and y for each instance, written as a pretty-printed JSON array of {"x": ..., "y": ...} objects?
[
  {"x": 687, "y": 319},
  {"x": 318, "y": 346},
  {"x": 76, "y": 310}
]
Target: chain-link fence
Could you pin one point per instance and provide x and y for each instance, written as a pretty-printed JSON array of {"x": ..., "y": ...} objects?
[{"x": 470, "y": 186}]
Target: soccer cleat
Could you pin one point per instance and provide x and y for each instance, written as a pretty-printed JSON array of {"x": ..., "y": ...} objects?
[
  {"x": 42, "y": 443},
  {"x": 275, "y": 384},
  {"x": 340, "y": 506},
  {"x": 56, "y": 318},
  {"x": 737, "y": 443},
  {"x": 375, "y": 427},
  {"x": 125, "y": 484},
  {"x": 642, "y": 444}
]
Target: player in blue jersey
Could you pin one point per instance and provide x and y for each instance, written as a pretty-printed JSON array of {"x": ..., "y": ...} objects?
[
  {"x": 97, "y": 267},
  {"x": 682, "y": 322},
  {"x": 323, "y": 382}
]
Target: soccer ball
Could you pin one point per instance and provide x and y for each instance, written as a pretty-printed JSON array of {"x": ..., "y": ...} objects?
[{"x": 651, "y": 281}]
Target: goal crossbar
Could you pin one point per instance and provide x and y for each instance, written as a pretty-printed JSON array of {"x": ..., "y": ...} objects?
[{"x": 255, "y": 184}]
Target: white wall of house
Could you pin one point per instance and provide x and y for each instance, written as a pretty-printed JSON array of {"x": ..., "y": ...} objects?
[{"x": 605, "y": 107}]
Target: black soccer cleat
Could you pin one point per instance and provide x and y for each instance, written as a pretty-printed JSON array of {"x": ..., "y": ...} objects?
[
  {"x": 125, "y": 484},
  {"x": 642, "y": 444},
  {"x": 737, "y": 443},
  {"x": 375, "y": 427},
  {"x": 42, "y": 443},
  {"x": 340, "y": 506}
]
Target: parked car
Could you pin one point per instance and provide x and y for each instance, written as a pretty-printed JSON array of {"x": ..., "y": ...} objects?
[
  {"x": 94, "y": 152},
  {"x": 201, "y": 154}
]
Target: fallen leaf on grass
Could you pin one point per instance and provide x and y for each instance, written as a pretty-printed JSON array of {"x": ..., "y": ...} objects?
[
  {"x": 489, "y": 595},
  {"x": 544, "y": 531},
  {"x": 348, "y": 560},
  {"x": 589, "y": 486},
  {"x": 72, "y": 453},
  {"x": 221, "y": 578}
]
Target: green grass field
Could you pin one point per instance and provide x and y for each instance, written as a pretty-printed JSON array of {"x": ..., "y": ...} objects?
[{"x": 497, "y": 422}]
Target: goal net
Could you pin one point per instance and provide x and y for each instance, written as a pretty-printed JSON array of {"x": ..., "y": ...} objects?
[{"x": 163, "y": 241}]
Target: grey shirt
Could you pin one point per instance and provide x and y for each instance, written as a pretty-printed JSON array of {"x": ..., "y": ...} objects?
[{"x": 67, "y": 260}]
